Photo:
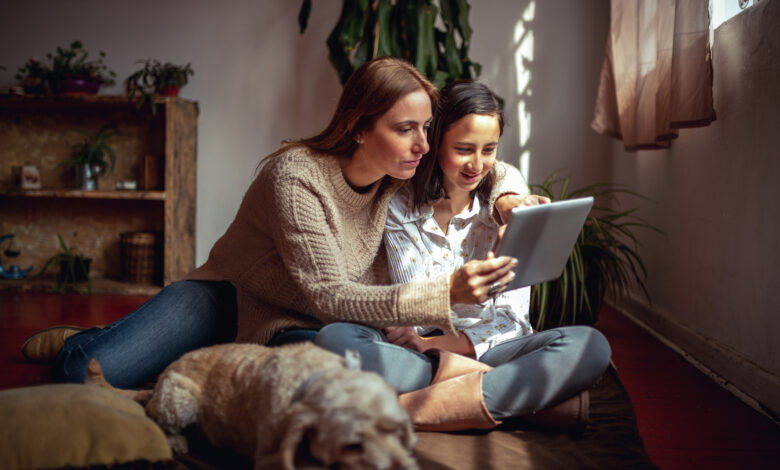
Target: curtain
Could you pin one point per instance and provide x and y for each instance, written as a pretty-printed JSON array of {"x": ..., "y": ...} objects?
[{"x": 657, "y": 72}]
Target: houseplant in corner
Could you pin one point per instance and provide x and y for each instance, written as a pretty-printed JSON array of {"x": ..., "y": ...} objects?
[
  {"x": 69, "y": 268},
  {"x": 89, "y": 157},
  {"x": 156, "y": 78},
  {"x": 604, "y": 259}
]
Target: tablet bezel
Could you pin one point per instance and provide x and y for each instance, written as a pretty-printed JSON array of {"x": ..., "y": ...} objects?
[{"x": 541, "y": 237}]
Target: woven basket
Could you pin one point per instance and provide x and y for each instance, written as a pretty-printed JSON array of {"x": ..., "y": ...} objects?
[{"x": 142, "y": 257}]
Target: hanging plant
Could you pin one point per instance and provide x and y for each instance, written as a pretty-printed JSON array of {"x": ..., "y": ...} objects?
[
  {"x": 405, "y": 29},
  {"x": 604, "y": 259}
]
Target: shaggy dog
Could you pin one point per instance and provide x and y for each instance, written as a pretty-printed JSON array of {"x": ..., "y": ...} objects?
[{"x": 265, "y": 402}]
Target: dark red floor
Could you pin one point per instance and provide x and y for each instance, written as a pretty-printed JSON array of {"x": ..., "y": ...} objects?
[{"x": 686, "y": 420}]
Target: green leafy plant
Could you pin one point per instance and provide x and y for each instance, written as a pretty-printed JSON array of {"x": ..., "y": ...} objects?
[
  {"x": 93, "y": 150},
  {"x": 67, "y": 63},
  {"x": 156, "y": 78},
  {"x": 604, "y": 259},
  {"x": 405, "y": 29},
  {"x": 69, "y": 269}
]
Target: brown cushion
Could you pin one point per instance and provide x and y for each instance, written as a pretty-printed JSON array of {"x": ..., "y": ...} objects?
[{"x": 69, "y": 425}]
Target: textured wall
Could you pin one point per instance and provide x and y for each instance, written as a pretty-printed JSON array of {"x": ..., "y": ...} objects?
[{"x": 714, "y": 279}]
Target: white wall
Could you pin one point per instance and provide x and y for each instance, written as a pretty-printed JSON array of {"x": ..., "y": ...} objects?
[
  {"x": 559, "y": 91},
  {"x": 714, "y": 278}
]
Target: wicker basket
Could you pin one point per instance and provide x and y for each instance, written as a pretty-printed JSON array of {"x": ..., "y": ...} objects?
[{"x": 142, "y": 257}]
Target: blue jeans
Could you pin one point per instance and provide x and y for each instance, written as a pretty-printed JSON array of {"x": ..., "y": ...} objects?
[
  {"x": 530, "y": 372},
  {"x": 183, "y": 316}
]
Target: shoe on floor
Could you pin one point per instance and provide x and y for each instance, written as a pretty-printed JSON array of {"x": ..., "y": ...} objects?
[{"x": 44, "y": 345}]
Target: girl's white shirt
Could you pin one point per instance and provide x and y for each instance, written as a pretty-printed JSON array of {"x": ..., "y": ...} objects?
[{"x": 418, "y": 249}]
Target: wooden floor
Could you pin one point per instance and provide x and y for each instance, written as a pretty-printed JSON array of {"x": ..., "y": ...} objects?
[{"x": 685, "y": 419}]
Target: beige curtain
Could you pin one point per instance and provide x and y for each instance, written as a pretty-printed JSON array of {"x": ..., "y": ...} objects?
[{"x": 657, "y": 72}]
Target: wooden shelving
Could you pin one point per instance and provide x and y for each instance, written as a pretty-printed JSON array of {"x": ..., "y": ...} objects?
[
  {"x": 34, "y": 130},
  {"x": 83, "y": 194}
]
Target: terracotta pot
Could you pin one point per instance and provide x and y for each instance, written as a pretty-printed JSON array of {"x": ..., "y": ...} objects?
[{"x": 168, "y": 90}]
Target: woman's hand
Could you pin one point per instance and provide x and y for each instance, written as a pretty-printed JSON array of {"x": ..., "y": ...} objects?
[
  {"x": 471, "y": 283},
  {"x": 405, "y": 336},
  {"x": 507, "y": 202}
]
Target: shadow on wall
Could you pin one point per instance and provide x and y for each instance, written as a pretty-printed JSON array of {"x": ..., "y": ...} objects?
[{"x": 556, "y": 51}]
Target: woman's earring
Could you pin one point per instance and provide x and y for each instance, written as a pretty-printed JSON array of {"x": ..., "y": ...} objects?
[{"x": 358, "y": 140}]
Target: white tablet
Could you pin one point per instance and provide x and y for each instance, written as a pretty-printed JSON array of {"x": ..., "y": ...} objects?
[{"x": 541, "y": 238}]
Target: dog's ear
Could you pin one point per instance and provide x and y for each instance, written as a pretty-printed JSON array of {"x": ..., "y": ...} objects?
[{"x": 300, "y": 420}]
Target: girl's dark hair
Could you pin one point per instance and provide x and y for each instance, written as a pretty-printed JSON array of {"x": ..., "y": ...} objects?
[
  {"x": 456, "y": 100},
  {"x": 369, "y": 93}
]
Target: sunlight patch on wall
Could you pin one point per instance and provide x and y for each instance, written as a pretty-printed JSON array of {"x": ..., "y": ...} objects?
[{"x": 523, "y": 40}]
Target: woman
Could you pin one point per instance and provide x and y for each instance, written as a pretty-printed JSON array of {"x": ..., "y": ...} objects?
[
  {"x": 441, "y": 224},
  {"x": 304, "y": 249}
]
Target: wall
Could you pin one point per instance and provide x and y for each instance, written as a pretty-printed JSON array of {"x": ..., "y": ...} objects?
[
  {"x": 258, "y": 81},
  {"x": 544, "y": 58},
  {"x": 714, "y": 278}
]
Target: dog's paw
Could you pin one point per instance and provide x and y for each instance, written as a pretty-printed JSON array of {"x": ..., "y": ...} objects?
[{"x": 178, "y": 443}]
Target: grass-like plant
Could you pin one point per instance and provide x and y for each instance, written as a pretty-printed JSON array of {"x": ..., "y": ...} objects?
[
  {"x": 68, "y": 269},
  {"x": 604, "y": 259},
  {"x": 94, "y": 149}
]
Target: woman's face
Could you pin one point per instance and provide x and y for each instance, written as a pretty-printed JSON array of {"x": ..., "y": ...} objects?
[
  {"x": 398, "y": 140},
  {"x": 468, "y": 151}
]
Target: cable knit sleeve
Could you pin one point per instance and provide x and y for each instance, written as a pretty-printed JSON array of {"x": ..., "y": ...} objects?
[
  {"x": 328, "y": 253},
  {"x": 509, "y": 180}
]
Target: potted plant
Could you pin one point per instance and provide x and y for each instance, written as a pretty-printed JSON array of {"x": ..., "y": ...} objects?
[
  {"x": 69, "y": 73},
  {"x": 415, "y": 30},
  {"x": 69, "y": 269},
  {"x": 604, "y": 259},
  {"x": 156, "y": 78},
  {"x": 89, "y": 156},
  {"x": 33, "y": 77}
]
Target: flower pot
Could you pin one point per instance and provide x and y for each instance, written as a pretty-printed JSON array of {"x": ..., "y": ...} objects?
[
  {"x": 168, "y": 90},
  {"x": 80, "y": 272},
  {"x": 78, "y": 86},
  {"x": 87, "y": 176}
]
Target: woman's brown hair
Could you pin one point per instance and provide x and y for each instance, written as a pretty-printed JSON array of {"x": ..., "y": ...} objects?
[
  {"x": 457, "y": 100},
  {"x": 370, "y": 92}
]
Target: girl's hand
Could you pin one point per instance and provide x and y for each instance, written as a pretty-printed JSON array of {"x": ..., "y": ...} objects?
[
  {"x": 507, "y": 202},
  {"x": 405, "y": 336},
  {"x": 471, "y": 283}
]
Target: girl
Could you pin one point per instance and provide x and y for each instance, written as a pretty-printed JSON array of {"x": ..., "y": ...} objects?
[
  {"x": 441, "y": 224},
  {"x": 303, "y": 250}
]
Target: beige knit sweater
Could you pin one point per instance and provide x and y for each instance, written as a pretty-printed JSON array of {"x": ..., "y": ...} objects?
[{"x": 305, "y": 250}]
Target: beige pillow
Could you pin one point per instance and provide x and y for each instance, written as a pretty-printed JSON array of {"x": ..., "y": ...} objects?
[{"x": 70, "y": 425}]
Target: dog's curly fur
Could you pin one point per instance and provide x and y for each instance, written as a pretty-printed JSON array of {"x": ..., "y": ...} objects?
[{"x": 264, "y": 402}]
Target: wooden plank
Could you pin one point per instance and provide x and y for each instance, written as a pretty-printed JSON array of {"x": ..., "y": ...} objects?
[{"x": 83, "y": 194}]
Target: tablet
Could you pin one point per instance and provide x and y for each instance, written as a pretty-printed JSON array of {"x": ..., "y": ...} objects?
[{"x": 541, "y": 238}]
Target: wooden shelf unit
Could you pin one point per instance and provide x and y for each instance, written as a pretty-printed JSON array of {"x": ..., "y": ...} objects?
[{"x": 36, "y": 130}]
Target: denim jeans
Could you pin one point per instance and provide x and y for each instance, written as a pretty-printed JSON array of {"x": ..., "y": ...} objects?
[
  {"x": 530, "y": 372},
  {"x": 183, "y": 316}
]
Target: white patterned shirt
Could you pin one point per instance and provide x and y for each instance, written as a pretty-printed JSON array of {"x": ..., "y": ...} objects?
[{"x": 418, "y": 249}]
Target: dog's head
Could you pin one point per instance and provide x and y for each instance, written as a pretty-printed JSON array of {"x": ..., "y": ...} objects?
[{"x": 350, "y": 420}]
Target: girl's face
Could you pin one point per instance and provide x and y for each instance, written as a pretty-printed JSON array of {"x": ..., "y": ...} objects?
[
  {"x": 398, "y": 140},
  {"x": 468, "y": 151}
]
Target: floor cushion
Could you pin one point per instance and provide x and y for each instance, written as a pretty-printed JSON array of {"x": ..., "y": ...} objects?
[{"x": 76, "y": 426}]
